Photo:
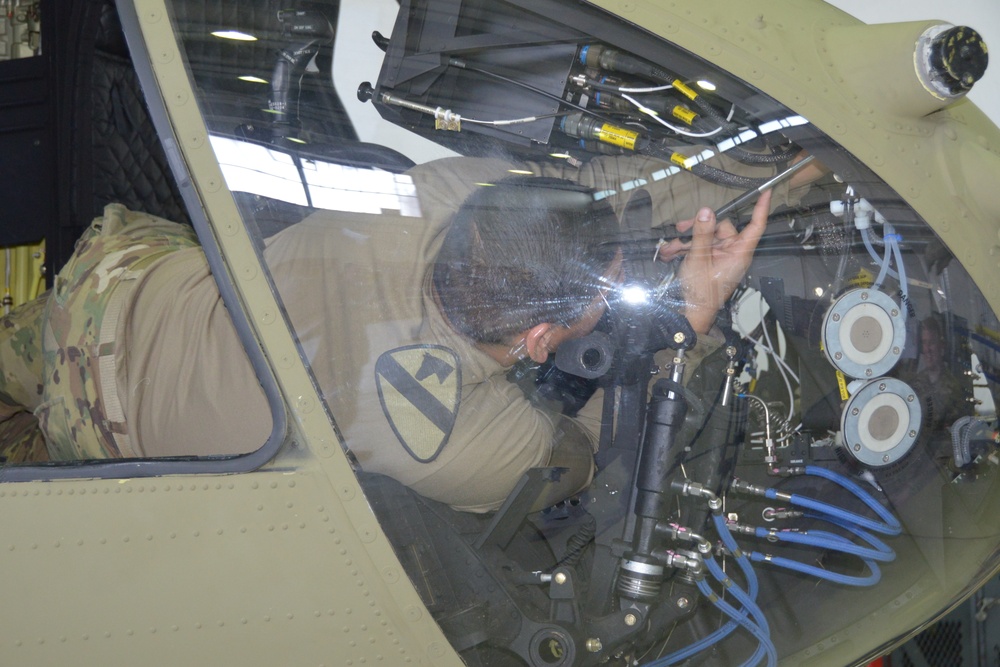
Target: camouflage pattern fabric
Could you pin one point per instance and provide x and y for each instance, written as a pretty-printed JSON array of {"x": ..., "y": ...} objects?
[
  {"x": 21, "y": 439},
  {"x": 79, "y": 418},
  {"x": 21, "y": 358}
]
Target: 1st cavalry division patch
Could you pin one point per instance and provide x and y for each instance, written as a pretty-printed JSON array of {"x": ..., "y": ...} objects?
[{"x": 419, "y": 387}]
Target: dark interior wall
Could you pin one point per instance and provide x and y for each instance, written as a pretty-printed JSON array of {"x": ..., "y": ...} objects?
[
  {"x": 27, "y": 144},
  {"x": 75, "y": 134}
]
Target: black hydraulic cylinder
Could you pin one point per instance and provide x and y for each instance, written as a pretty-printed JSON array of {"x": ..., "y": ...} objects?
[{"x": 659, "y": 458}]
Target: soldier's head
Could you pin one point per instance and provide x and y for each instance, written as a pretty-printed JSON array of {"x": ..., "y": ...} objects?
[{"x": 523, "y": 252}]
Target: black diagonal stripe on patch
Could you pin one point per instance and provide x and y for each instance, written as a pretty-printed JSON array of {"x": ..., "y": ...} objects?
[{"x": 416, "y": 394}]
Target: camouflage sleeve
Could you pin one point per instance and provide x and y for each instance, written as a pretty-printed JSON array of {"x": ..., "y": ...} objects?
[{"x": 21, "y": 358}]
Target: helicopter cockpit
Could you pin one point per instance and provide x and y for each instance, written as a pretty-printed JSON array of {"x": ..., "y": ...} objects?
[{"x": 811, "y": 477}]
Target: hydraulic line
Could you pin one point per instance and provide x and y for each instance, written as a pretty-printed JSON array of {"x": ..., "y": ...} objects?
[
  {"x": 752, "y": 585},
  {"x": 826, "y": 540},
  {"x": 891, "y": 522},
  {"x": 821, "y": 573},
  {"x": 741, "y": 619}
]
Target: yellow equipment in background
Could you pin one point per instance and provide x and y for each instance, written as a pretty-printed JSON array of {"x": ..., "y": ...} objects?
[{"x": 23, "y": 269}]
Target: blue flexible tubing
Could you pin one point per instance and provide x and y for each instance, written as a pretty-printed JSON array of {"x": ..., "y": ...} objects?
[
  {"x": 733, "y": 613},
  {"x": 866, "y": 237},
  {"x": 741, "y": 559},
  {"x": 827, "y": 575},
  {"x": 892, "y": 525},
  {"x": 725, "y": 630},
  {"x": 730, "y": 586},
  {"x": 872, "y": 541},
  {"x": 825, "y": 540}
]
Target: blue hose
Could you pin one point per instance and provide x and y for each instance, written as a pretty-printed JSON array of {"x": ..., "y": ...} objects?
[
  {"x": 872, "y": 541},
  {"x": 822, "y": 539},
  {"x": 730, "y": 543},
  {"x": 749, "y": 604},
  {"x": 827, "y": 575},
  {"x": 725, "y": 630},
  {"x": 734, "y": 614},
  {"x": 892, "y": 525}
]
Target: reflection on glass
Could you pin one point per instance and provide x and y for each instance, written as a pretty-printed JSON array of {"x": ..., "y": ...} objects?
[{"x": 478, "y": 311}]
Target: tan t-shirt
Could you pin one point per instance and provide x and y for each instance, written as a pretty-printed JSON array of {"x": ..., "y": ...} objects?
[{"x": 414, "y": 399}]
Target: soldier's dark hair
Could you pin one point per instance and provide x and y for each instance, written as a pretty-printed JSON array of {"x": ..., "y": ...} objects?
[{"x": 523, "y": 251}]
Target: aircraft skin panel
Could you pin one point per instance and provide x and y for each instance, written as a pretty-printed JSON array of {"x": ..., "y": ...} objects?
[{"x": 171, "y": 570}]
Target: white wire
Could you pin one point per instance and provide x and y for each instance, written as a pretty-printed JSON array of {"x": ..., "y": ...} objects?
[
  {"x": 783, "y": 368},
  {"x": 781, "y": 364},
  {"x": 679, "y": 130},
  {"x": 512, "y": 121},
  {"x": 653, "y": 89}
]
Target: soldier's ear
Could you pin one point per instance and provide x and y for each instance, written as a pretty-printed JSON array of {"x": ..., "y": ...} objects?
[{"x": 539, "y": 341}]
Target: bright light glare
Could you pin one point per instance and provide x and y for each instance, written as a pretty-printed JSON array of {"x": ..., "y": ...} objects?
[
  {"x": 706, "y": 85},
  {"x": 520, "y": 171},
  {"x": 818, "y": 291},
  {"x": 252, "y": 79},
  {"x": 234, "y": 34},
  {"x": 634, "y": 294}
]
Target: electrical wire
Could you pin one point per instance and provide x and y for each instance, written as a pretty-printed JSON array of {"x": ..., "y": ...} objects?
[
  {"x": 513, "y": 121},
  {"x": 652, "y": 113},
  {"x": 781, "y": 365}
]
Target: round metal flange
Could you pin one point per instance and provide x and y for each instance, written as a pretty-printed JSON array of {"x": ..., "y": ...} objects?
[
  {"x": 864, "y": 332},
  {"x": 881, "y": 422}
]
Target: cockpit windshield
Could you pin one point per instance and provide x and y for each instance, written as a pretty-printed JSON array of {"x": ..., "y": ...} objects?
[{"x": 583, "y": 404}]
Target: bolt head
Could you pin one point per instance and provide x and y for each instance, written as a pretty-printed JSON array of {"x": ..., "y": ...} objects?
[
  {"x": 630, "y": 619},
  {"x": 559, "y": 578},
  {"x": 679, "y": 337},
  {"x": 683, "y": 603}
]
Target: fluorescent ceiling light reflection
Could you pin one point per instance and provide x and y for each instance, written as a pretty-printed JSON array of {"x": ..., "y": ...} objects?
[
  {"x": 273, "y": 173},
  {"x": 252, "y": 79},
  {"x": 234, "y": 35},
  {"x": 706, "y": 85}
]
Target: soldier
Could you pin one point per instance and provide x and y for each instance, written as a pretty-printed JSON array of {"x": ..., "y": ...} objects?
[{"x": 134, "y": 353}]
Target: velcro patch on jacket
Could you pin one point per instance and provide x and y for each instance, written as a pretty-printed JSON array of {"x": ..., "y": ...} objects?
[{"x": 420, "y": 388}]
